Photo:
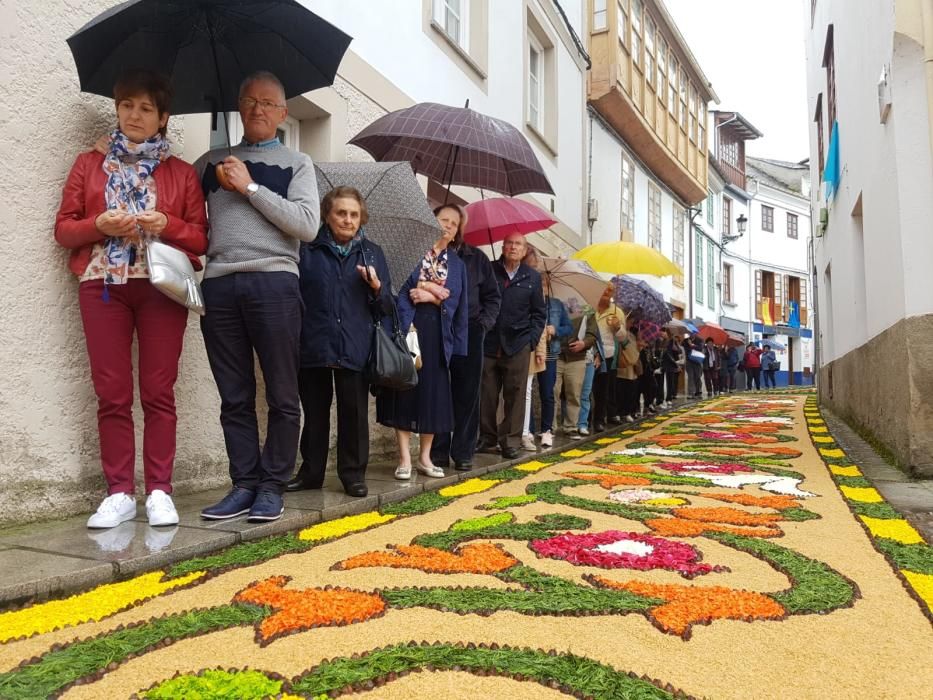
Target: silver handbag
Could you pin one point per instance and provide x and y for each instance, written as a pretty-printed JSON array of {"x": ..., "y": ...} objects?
[{"x": 172, "y": 273}]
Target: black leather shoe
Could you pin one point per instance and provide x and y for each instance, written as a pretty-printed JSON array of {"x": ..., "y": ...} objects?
[
  {"x": 299, "y": 483},
  {"x": 489, "y": 448},
  {"x": 510, "y": 452},
  {"x": 357, "y": 489},
  {"x": 463, "y": 466}
]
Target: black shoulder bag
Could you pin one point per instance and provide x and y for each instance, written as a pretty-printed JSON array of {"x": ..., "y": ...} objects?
[{"x": 390, "y": 362}]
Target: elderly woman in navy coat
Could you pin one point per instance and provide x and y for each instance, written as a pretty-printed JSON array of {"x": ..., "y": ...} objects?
[
  {"x": 345, "y": 285},
  {"x": 434, "y": 298}
]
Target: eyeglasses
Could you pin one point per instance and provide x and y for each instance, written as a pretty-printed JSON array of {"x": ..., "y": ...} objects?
[{"x": 248, "y": 103}]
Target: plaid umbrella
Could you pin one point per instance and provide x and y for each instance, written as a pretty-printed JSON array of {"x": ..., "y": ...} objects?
[
  {"x": 648, "y": 331},
  {"x": 640, "y": 300},
  {"x": 400, "y": 220},
  {"x": 456, "y": 146}
]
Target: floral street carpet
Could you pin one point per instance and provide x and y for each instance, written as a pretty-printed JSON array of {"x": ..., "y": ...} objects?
[{"x": 731, "y": 550}]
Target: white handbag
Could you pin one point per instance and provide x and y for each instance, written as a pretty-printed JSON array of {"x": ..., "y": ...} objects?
[{"x": 172, "y": 273}]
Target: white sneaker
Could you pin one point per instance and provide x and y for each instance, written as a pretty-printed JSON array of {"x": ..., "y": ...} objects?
[
  {"x": 528, "y": 443},
  {"x": 629, "y": 419},
  {"x": 160, "y": 509},
  {"x": 547, "y": 439},
  {"x": 403, "y": 473},
  {"x": 584, "y": 430},
  {"x": 113, "y": 510},
  {"x": 432, "y": 470}
]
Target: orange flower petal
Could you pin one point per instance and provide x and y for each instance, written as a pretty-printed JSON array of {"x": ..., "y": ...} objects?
[{"x": 473, "y": 558}]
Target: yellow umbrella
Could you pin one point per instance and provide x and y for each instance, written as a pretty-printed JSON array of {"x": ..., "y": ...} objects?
[{"x": 626, "y": 258}]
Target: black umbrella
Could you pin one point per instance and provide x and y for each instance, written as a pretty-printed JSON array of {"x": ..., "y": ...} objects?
[
  {"x": 456, "y": 145},
  {"x": 400, "y": 220},
  {"x": 207, "y": 47}
]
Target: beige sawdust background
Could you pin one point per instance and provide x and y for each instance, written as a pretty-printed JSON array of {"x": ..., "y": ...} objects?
[{"x": 881, "y": 647}]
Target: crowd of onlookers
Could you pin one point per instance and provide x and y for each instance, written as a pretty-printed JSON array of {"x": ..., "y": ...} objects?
[{"x": 293, "y": 281}]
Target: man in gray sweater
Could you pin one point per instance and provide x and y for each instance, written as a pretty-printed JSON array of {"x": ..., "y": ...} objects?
[{"x": 252, "y": 296}]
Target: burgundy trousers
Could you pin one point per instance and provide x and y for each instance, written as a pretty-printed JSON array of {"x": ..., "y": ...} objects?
[{"x": 159, "y": 324}]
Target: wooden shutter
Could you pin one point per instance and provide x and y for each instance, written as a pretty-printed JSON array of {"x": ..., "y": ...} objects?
[
  {"x": 785, "y": 308},
  {"x": 803, "y": 301},
  {"x": 777, "y": 313},
  {"x": 758, "y": 294}
]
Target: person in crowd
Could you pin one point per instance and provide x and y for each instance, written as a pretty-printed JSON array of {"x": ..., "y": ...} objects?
[
  {"x": 671, "y": 352},
  {"x": 657, "y": 360},
  {"x": 518, "y": 328},
  {"x": 466, "y": 371},
  {"x": 112, "y": 205},
  {"x": 536, "y": 365},
  {"x": 647, "y": 386},
  {"x": 628, "y": 371},
  {"x": 571, "y": 366},
  {"x": 345, "y": 285},
  {"x": 252, "y": 296},
  {"x": 769, "y": 366},
  {"x": 435, "y": 299},
  {"x": 731, "y": 364},
  {"x": 723, "y": 378},
  {"x": 711, "y": 368},
  {"x": 609, "y": 319},
  {"x": 557, "y": 329},
  {"x": 752, "y": 362},
  {"x": 693, "y": 348}
]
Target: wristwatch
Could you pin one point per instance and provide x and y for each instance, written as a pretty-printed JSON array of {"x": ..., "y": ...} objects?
[{"x": 251, "y": 189}]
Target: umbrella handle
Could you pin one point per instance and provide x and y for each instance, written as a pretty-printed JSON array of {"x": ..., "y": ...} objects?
[{"x": 220, "y": 85}]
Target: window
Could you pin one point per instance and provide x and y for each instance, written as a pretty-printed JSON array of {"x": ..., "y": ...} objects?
[
  {"x": 535, "y": 82},
  {"x": 710, "y": 275},
  {"x": 729, "y": 152},
  {"x": 768, "y": 296},
  {"x": 628, "y": 195},
  {"x": 727, "y": 283},
  {"x": 649, "y": 52},
  {"x": 452, "y": 16},
  {"x": 791, "y": 225},
  {"x": 672, "y": 84},
  {"x": 698, "y": 266},
  {"x": 701, "y": 121},
  {"x": 679, "y": 223},
  {"x": 637, "y": 9},
  {"x": 767, "y": 218},
  {"x": 622, "y": 22},
  {"x": 726, "y": 216},
  {"x": 818, "y": 118},
  {"x": 599, "y": 15},
  {"x": 654, "y": 216},
  {"x": 829, "y": 63},
  {"x": 710, "y": 204},
  {"x": 692, "y": 106},
  {"x": 662, "y": 67},
  {"x": 683, "y": 99}
]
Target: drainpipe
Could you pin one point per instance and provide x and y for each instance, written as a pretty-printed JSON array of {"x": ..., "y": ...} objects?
[{"x": 926, "y": 11}]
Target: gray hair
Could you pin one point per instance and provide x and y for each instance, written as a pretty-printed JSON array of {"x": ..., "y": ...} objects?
[{"x": 261, "y": 76}]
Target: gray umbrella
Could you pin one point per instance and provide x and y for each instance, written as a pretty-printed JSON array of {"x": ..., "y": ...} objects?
[{"x": 400, "y": 220}]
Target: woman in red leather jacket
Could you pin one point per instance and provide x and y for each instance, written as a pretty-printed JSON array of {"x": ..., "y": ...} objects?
[{"x": 111, "y": 205}]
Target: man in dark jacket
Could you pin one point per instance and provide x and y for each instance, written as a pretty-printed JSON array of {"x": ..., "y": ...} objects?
[
  {"x": 508, "y": 347},
  {"x": 466, "y": 371}
]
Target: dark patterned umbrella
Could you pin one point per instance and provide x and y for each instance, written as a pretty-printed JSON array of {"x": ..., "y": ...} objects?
[
  {"x": 455, "y": 145},
  {"x": 640, "y": 300},
  {"x": 400, "y": 220}
]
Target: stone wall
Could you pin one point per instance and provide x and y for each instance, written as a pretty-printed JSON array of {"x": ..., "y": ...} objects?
[{"x": 885, "y": 387}]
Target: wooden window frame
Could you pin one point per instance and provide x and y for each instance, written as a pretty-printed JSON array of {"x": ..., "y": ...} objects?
[
  {"x": 698, "y": 267},
  {"x": 535, "y": 84},
  {"x": 679, "y": 227},
  {"x": 654, "y": 216},
  {"x": 710, "y": 275},
  {"x": 628, "y": 202},
  {"x": 767, "y": 218},
  {"x": 636, "y": 23},
  {"x": 793, "y": 230},
  {"x": 726, "y": 227},
  {"x": 818, "y": 118},
  {"x": 829, "y": 63},
  {"x": 727, "y": 283},
  {"x": 597, "y": 27}
]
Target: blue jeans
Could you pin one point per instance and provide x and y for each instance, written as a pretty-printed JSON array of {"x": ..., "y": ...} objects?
[
  {"x": 584, "y": 420},
  {"x": 546, "y": 381},
  {"x": 257, "y": 312}
]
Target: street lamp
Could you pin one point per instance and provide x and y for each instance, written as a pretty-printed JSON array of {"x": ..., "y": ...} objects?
[{"x": 740, "y": 225}]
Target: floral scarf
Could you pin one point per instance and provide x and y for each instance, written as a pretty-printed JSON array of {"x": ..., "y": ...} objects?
[
  {"x": 343, "y": 250},
  {"x": 434, "y": 267},
  {"x": 128, "y": 167}
]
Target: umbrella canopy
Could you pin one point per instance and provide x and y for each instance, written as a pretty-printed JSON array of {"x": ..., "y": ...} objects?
[
  {"x": 624, "y": 257},
  {"x": 714, "y": 331},
  {"x": 571, "y": 279},
  {"x": 734, "y": 340},
  {"x": 775, "y": 344},
  {"x": 455, "y": 145},
  {"x": 640, "y": 300},
  {"x": 491, "y": 220},
  {"x": 206, "y": 47},
  {"x": 681, "y": 326},
  {"x": 400, "y": 220},
  {"x": 648, "y": 331}
]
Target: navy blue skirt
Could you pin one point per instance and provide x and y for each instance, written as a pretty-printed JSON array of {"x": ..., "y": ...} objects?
[{"x": 428, "y": 407}]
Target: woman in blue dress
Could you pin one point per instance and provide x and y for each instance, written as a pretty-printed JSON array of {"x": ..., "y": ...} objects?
[{"x": 434, "y": 299}]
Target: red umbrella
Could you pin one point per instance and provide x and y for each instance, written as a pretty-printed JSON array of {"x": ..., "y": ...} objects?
[
  {"x": 491, "y": 220},
  {"x": 714, "y": 331}
]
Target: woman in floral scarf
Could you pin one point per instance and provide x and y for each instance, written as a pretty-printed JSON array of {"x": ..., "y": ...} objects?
[{"x": 111, "y": 205}]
